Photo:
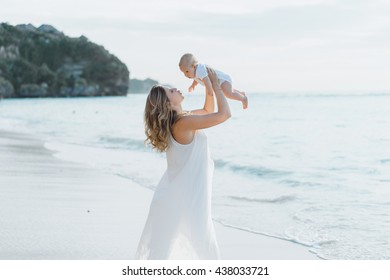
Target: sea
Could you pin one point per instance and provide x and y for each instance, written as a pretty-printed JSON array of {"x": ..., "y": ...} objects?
[{"x": 309, "y": 168}]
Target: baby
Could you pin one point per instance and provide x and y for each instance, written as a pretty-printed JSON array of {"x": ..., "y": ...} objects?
[{"x": 198, "y": 72}]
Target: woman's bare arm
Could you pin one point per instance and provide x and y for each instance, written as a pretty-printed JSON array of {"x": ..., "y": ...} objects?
[{"x": 206, "y": 119}]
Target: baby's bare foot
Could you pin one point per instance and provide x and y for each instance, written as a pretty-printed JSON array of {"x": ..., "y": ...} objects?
[{"x": 245, "y": 101}]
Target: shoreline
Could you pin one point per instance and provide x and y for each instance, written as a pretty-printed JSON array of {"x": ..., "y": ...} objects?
[{"x": 54, "y": 209}]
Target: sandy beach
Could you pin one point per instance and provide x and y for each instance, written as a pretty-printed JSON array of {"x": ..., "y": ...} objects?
[{"x": 54, "y": 209}]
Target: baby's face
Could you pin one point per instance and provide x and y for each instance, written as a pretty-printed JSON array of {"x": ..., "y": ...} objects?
[{"x": 188, "y": 71}]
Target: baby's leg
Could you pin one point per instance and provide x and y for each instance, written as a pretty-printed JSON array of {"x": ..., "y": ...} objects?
[{"x": 234, "y": 94}]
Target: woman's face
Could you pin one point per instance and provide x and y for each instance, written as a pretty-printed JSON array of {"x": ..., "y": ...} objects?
[{"x": 174, "y": 95}]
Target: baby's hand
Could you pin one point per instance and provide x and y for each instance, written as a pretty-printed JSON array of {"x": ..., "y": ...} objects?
[{"x": 191, "y": 88}]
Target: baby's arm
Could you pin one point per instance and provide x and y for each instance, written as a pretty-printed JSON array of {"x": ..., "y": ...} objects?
[
  {"x": 192, "y": 87},
  {"x": 208, "y": 86}
]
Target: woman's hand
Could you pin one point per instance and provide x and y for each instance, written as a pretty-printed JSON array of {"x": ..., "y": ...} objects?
[{"x": 213, "y": 78}]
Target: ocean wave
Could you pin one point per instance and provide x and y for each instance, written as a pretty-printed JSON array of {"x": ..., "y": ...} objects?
[
  {"x": 293, "y": 240},
  {"x": 251, "y": 170},
  {"x": 280, "y": 199},
  {"x": 250, "y": 230},
  {"x": 122, "y": 142},
  {"x": 295, "y": 183}
]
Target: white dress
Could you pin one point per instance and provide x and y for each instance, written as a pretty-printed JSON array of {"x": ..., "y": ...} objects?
[{"x": 179, "y": 225}]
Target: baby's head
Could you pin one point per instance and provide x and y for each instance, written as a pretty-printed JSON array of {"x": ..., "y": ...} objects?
[{"x": 188, "y": 64}]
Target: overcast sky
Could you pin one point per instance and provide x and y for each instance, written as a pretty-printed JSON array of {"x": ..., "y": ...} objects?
[{"x": 265, "y": 45}]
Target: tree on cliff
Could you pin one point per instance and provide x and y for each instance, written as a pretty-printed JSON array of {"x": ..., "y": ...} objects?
[{"x": 43, "y": 62}]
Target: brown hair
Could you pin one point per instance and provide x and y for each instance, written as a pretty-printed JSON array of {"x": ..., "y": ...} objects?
[{"x": 159, "y": 118}]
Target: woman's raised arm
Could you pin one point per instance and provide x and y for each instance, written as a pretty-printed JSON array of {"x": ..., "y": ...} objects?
[
  {"x": 208, "y": 106},
  {"x": 194, "y": 122}
]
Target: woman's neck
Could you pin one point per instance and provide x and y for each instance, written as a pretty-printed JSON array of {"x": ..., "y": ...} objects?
[{"x": 177, "y": 109}]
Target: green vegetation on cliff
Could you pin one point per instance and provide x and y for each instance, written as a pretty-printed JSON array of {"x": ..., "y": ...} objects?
[
  {"x": 141, "y": 86},
  {"x": 43, "y": 62}
]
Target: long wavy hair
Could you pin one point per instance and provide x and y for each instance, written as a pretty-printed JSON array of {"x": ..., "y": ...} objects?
[{"x": 159, "y": 119}]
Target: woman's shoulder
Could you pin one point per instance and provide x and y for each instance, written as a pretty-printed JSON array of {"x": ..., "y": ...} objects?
[
  {"x": 179, "y": 132},
  {"x": 183, "y": 137},
  {"x": 181, "y": 120}
]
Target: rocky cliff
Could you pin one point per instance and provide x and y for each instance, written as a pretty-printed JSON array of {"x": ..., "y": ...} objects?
[
  {"x": 141, "y": 86},
  {"x": 43, "y": 62}
]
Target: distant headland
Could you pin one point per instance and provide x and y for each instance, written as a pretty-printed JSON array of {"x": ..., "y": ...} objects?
[{"x": 44, "y": 62}]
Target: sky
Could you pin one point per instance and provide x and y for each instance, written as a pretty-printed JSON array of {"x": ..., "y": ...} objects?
[{"x": 265, "y": 45}]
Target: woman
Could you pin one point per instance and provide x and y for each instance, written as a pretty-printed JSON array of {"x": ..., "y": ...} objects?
[{"x": 179, "y": 224}]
